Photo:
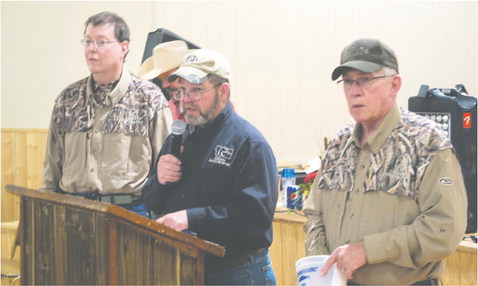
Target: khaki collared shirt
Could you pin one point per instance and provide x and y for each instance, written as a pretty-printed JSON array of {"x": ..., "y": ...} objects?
[
  {"x": 401, "y": 193},
  {"x": 109, "y": 148}
]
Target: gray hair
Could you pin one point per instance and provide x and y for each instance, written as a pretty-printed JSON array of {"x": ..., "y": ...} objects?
[
  {"x": 217, "y": 80},
  {"x": 388, "y": 71}
]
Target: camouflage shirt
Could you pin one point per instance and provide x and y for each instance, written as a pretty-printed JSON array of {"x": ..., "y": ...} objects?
[
  {"x": 131, "y": 114},
  {"x": 397, "y": 167},
  {"x": 105, "y": 138},
  {"x": 401, "y": 193}
]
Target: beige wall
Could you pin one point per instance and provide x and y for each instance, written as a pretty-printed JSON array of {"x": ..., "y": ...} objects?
[
  {"x": 282, "y": 54},
  {"x": 41, "y": 52}
]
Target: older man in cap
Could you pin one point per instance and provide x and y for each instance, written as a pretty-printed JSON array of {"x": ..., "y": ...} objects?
[
  {"x": 390, "y": 202},
  {"x": 224, "y": 185},
  {"x": 166, "y": 59}
]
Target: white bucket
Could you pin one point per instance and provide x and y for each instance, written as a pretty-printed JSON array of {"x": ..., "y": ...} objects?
[{"x": 308, "y": 272}]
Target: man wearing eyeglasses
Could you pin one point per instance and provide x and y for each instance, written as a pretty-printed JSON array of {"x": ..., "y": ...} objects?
[
  {"x": 106, "y": 129},
  {"x": 390, "y": 202},
  {"x": 166, "y": 59},
  {"x": 224, "y": 185}
]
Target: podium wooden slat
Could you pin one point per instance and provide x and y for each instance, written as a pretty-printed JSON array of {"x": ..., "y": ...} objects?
[{"x": 71, "y": 240}]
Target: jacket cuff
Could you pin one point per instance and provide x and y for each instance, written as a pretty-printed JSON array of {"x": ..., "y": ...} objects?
[{"x": 196, "y": 217}]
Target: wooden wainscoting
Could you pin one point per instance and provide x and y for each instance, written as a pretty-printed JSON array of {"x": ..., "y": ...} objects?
[
  {"x": 461, "y": 265},
  {"x": 10, "y": 266},
  {"x": 287, "y": 246},
  {"x": 23, "y": 151}
]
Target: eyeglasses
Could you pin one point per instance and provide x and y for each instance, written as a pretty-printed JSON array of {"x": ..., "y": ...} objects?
[
  {"x": 175, "y": 94},
  {"x": 98, "y": 43},
  {"x": 363, "y": 82},
  {"x": 194, "y": 94}
]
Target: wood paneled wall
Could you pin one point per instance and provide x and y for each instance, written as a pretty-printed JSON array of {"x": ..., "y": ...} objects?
[
  {"x": 287, "y": 246},
  {"x": 23, "y": 151}
]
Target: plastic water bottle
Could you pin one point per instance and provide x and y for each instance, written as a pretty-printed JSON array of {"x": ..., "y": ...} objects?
[{"x": 287, "y": 179}]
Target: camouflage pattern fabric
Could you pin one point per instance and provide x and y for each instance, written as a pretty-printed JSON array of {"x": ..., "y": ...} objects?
[
  {"x": 75, "y": 108},
  {"x": 396, "y": 168},
  {"x": 101, "y": 92}
]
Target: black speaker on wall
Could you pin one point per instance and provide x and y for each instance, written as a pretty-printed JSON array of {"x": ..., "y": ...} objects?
[{"x": 455, "y": 112}]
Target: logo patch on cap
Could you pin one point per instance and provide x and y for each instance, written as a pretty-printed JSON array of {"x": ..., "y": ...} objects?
[
  {"x": 446, "y": 181},
  {"x": 191, "y": 59},
  {"x": 364, "y": 50}
]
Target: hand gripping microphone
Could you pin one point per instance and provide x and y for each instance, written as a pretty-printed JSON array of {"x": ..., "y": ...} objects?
[{"x": 177, "y": 129}]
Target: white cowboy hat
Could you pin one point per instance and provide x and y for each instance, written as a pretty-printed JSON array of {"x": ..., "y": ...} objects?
[{"x": 166, "y": 56}]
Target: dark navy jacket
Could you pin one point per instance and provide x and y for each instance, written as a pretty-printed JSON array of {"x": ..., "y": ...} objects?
[{"x": 228, "y": 186}]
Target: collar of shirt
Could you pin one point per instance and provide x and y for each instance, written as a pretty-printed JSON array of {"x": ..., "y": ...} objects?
[
  {"x": 116, "y": 93},
  {"x": 377, "y": 139},
  {"x": 101, "y": 93}
]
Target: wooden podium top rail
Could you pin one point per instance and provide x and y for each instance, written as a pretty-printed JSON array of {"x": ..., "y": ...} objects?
[{"x": 119, "y": 212}]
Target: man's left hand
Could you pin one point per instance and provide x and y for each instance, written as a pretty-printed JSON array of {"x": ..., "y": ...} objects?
[{"x": 177, "y": 220}]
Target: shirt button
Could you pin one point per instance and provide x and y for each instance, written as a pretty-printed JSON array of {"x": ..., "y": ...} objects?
[{"x": 92, "y": 169}]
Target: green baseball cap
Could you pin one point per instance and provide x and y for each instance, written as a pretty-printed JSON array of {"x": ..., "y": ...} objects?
[
  {"x": 366, "y": 55},
  {"x": 200, "y": 63}
]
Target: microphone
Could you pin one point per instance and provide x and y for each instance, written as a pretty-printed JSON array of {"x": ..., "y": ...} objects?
[{"x": 177, "y": 129}]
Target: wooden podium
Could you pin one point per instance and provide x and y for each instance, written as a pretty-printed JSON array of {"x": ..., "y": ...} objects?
[{"x": 67, "y": 240}]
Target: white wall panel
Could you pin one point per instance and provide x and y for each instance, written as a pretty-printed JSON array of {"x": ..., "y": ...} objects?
[
  {"x": 41, "y": 52},
  {"x": 281, "y": 52}
]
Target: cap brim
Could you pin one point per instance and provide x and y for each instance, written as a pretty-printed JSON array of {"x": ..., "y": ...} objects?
[
  {"x": 356, "y": 65},
  {"x": 193, "y": 75}
]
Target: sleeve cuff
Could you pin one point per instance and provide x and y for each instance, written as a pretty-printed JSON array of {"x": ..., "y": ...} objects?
[{"x": 196, "y": 217}]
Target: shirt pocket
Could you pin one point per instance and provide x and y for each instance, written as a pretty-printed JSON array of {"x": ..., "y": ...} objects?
[
  {"x": 76, "y": 154},
  {"x": 126, "y": 157},
  {"x": 392, "y": 174}
]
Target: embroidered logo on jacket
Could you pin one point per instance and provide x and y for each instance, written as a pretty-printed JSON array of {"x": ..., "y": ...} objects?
[
  {"x": 222, "y": 155},
  {"x": 446, "y": 181}
]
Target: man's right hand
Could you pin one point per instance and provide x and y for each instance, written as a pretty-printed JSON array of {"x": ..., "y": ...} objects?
[
  {"x": 349, "y": 258},
  {"x": 169, "y": 169}
]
